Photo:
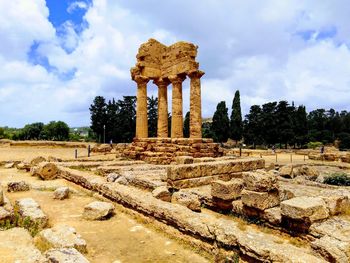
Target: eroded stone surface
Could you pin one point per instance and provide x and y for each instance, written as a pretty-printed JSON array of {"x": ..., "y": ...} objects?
[
  {"x": 260, "y": 200},
  {"x": 187, "y": 199},
  {"x": 229, "y": 190},
  {"x": 305, "y": 208},
  {"x": 17, "y": 246},
  {"x": 65, "y": 255},
  {"x": 162, "y": 193},
  {"x": 60, "y": 236},
  {"x": 61, "y": 193},
  {"x": 29, "y": 208},
  {"x": 259, "y": 181},
  {"x": 17, "y": 186},
  {"x": 98, "y": 210}
]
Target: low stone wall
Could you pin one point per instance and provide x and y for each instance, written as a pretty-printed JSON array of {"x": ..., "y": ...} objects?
[
  {"x": 258, "y": 246},
  {"x": 197, "y": 174},
  {"x": 164, "y": 150}
]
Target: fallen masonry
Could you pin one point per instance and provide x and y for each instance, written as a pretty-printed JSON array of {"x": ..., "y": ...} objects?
[{"x": 227, "y": 233}]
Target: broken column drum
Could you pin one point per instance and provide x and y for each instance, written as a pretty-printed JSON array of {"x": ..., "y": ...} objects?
[{"x": 168, "y": 65}]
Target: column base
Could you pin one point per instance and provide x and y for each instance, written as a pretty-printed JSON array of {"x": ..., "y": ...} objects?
[{"x": 165, "y": 150}]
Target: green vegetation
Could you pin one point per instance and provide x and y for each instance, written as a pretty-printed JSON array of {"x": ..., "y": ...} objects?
[
  {"x": 236, "y": 124},
  {"x": 187, "y": 125},
  {"x": 340, "y": 179},
  {"x": 314, "y": 145},
  {"x": 18, "y": 221},
  {"x": 221, "y": 123}
]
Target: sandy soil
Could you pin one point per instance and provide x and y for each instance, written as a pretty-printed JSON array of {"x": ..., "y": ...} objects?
[
  {"x": 19, "y": 153},
  {"x": 122, "y": 238}
]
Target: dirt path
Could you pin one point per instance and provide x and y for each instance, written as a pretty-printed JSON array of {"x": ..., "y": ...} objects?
[{"x": 120, "y": 239}]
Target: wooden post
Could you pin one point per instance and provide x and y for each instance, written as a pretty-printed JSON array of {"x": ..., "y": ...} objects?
[
  {"x": 89, "y": 150},
  {"x": 76, "y": 153}
]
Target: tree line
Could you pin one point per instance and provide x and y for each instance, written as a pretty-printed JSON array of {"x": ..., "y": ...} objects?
[
  {"x": 281, "y": 124},
  {"x": 52, "y": 131}
]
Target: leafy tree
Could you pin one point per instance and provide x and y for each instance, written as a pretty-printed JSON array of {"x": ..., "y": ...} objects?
[
  {"x": 56, "y": 131},
  {"x": 252, "y": 126},
  {"x": 269, "y": 131},
  {"x": 127, "y": 118},
  {"x": 112, "y": 121},
  {"x": 152, "y": 116},
  {"x": 98, "y": 111},
  {"x": 300, "y": 126},
  {"x": 32, "y": 131},
  {"x": 2, "y": 133},
  {"x": 221, "y": 123},
  {"x": 236, "y": 124},
  {"x": 284, "y": 122},
  {"x": 187, "y": 125}
]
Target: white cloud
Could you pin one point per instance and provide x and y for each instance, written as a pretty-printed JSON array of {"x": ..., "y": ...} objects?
[
  {"x": 75, "y": 5},
  {"x": 269, "y": 50}
]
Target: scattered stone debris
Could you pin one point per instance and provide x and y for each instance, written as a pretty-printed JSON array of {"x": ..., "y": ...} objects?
[
  {"x": 65, "y": 255},
  {"x": 17, "y": 246},
  {"x": 18, "y": 186},
  {"x": 60, "y": 236},
  {"x": 61, "y": 193},
  {"x": 162, "y": 193},
  {"x": 112, "y": 177},
  {"x": 191, "y": 201},
  {"x": 29, "y": 208},
  {"x": 47, "y": 171},
  {"x": 9, "y": 165},
  {"x": 98, "y": 210}
]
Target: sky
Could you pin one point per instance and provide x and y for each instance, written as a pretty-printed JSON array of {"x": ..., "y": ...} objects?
[{"x": 57, "y": 55}]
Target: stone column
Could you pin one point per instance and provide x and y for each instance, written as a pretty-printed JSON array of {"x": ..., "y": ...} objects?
[
  {"x": 176, "y": 114},
  {"x": 162, "y": 125},
  {"x": 141, "y": 107},
  {"x": 195, "y": 104}
]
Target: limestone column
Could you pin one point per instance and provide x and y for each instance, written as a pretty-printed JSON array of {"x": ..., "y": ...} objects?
[
  {"x": 141, "y": 107},
  {"x": 162, "y": 125},
  {"x": 195, "y": 104},
  {"x": 176, "y": 114}
]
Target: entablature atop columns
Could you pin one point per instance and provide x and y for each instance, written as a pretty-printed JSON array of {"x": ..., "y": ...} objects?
[{"x": 157, "y": 61}]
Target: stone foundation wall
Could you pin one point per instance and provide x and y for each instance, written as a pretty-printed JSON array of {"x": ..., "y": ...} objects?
[
  {"x": 165, "y": 150},
  {"x": 197, "y": 174}
]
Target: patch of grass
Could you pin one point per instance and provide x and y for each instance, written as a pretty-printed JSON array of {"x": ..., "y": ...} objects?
[
  {"x": 17, "y": 221},
  {"x": 340, "y": 179},
  {"x": 297, "y": 242}
]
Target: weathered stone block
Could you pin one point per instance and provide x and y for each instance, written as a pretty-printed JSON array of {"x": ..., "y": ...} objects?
[
  {"x": 98, "y": 210},
  {"x": 65, "y": 255},
  {"x": 29, "y": 208},
  {"x": 162, "y": 193},
  {"x": 61, "y": 193},
  {"x": 260, "y": 200},
  {"x": 17, "y": 186},
  {"x": 273, "y": 215},
  {"x": 228, "y": 190},
  {"x": 191, "y": 201},
  {"x": 184, "y": 159},
  {"x": 305, "y": 208},
  {"x": 60, "y": 236},
  {"x": 259, "y": 181}
]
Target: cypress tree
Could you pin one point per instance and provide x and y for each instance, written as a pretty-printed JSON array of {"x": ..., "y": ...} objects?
[
  {"x": 98, "y": 116},
  {"x": 187, "y": 125},
  {"x": 152, "y": 116},
  {"x": 221, "y": 123},
  {"x": 236, "y": 125}
]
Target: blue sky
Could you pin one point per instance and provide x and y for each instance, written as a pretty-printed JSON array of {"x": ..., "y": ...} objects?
[{"x": 56, "y": 56}]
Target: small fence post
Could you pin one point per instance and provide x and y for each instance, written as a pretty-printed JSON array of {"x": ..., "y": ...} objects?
[
  {"x": 276, "y": 157},
  {"x": 240, "y": 150},
  {"x": 291, "y": 158},
  {"x": 89, "y": 149},
  {"x": 76, "y": 153}
]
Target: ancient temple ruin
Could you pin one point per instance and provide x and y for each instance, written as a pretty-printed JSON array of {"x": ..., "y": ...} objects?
[
  {"x": 165, "y": 65},
  {"x": 168, "y": 65}
]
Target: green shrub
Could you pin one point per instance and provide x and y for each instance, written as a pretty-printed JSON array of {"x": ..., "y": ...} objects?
[
  {"x": 340, "y": 179},
  {"x": 313, "y": 145}
]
